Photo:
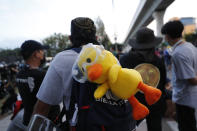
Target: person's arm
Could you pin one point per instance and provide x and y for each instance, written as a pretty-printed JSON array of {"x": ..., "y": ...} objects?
[
  {"x": 184, "y": 69},
  {"x": 41, "y": 108},
  {"x": 193, "y": 81}
]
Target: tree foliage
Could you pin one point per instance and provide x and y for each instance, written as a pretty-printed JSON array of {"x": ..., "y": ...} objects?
[
  {"x": 192, "y": 37},
  {"x": 10, "y": 56},
  {"x": 57, "y": 43}
]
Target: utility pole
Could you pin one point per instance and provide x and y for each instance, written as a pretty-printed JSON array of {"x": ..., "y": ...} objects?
[{"x": 115, "y": 35}]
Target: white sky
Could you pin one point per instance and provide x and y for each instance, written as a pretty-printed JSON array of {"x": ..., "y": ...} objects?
[{"x": 36, "y": 19}]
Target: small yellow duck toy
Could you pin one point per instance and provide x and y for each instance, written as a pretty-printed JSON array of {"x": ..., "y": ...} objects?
[{"x": 100, "y": 66}]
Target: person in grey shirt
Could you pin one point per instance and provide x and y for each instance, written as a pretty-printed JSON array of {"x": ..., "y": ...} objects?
[
  {"x": 184, "y": 75},
  {"x": 58, "y": 84}
]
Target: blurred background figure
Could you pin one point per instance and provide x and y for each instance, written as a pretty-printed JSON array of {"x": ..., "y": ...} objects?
[
  {"x": 11, "y": 99},
  {"x": 143, "y": 52}
]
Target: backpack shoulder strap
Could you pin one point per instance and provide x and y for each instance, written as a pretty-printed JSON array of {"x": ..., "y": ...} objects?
[
  {"x": 81, "y": 95},
  {"x": 77, "y": 49},
  {"x": 73, "y": 98}
]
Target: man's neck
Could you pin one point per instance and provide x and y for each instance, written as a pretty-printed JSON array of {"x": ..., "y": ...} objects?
[
  {"x": 33, "y": 64},
  {"x": 176, "y": 40}
]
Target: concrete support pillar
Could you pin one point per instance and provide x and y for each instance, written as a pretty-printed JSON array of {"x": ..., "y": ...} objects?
[{"x": 158, "y": 16}]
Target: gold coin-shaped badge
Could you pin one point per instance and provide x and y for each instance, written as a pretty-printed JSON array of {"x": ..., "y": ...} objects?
[{"x": 150, "y": 74}]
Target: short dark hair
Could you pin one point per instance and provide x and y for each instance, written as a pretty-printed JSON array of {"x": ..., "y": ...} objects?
[
  {"x": 173, "y": 28},
  {"x": 83, "y": 31},
  {"x": 29, "y": 46}
]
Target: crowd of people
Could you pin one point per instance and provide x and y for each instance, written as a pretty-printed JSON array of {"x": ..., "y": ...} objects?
[
  {"x": 8, "y": 92},
  {"x": 43, "y": 92}
]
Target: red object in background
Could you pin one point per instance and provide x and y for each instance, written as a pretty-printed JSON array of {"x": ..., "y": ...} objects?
[{"x": 18, "y": 106}]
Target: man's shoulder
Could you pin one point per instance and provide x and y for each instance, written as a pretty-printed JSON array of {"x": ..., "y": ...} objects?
[
  {"x": 125, "y": 56},
  {"x": 66, "y": 55},
  {"x": 184, "y": 46},
  {"x": 36, "y": 73},
  {"x": 183, "y": 50},
  {"x": 64, "y": 60}
]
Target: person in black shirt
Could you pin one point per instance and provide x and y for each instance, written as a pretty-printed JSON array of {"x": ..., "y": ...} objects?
[
  {"x": 30, "y": 76},
  {"x": 143, "y": 51}
]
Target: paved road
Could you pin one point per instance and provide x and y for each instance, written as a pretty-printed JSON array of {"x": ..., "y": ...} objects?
[
  {"x": 167, "y": 125},
  {"x": 4, "y": 122}
]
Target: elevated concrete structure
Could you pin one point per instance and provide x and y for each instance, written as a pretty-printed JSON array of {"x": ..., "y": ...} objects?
[{"x": 147, "y": 11}]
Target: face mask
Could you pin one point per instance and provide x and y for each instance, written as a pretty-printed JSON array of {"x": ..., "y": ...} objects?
[{"x": 43, "y": 61}]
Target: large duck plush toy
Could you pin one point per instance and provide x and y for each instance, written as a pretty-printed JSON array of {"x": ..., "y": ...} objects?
[{"x": 100, "y": 66}]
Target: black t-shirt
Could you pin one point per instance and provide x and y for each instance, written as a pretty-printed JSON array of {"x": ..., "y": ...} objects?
[
  {"x": 28, "y": 82},
  {"x": 131, "y": 60}
]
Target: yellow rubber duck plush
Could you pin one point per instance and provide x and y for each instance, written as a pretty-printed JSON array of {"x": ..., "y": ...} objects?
[{"x": 100, "y": 66}]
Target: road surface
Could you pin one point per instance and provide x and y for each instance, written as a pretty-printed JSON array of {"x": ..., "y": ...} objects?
[{"x": 168, "y": 125}]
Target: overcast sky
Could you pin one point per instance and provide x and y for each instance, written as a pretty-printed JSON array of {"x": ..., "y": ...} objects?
[{"x": 36, "y": 19}]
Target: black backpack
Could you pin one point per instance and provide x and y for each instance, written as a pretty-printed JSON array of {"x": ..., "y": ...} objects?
[
  {"x": 81, "y": 95},
  {"x": 94, "y": 112}
]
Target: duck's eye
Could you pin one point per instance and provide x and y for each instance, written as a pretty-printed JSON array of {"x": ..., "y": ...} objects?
[{"x": 88, "y": 60}]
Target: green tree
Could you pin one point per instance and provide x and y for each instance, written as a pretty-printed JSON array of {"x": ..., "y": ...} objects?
[
  {"x": 10, "y": 56},
  {"x": 192, "y": 37},
  {"x": 57, "y": 43}
]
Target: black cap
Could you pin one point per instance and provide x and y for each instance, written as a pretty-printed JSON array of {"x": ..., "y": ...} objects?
[
  {"x": 173, "y": 28},
  {"x": 83, "y": 30},
  {"x": 29, "y": 46}
]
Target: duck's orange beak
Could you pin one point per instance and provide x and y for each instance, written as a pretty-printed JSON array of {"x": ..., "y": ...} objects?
[{"x": 95, "y": 71}]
